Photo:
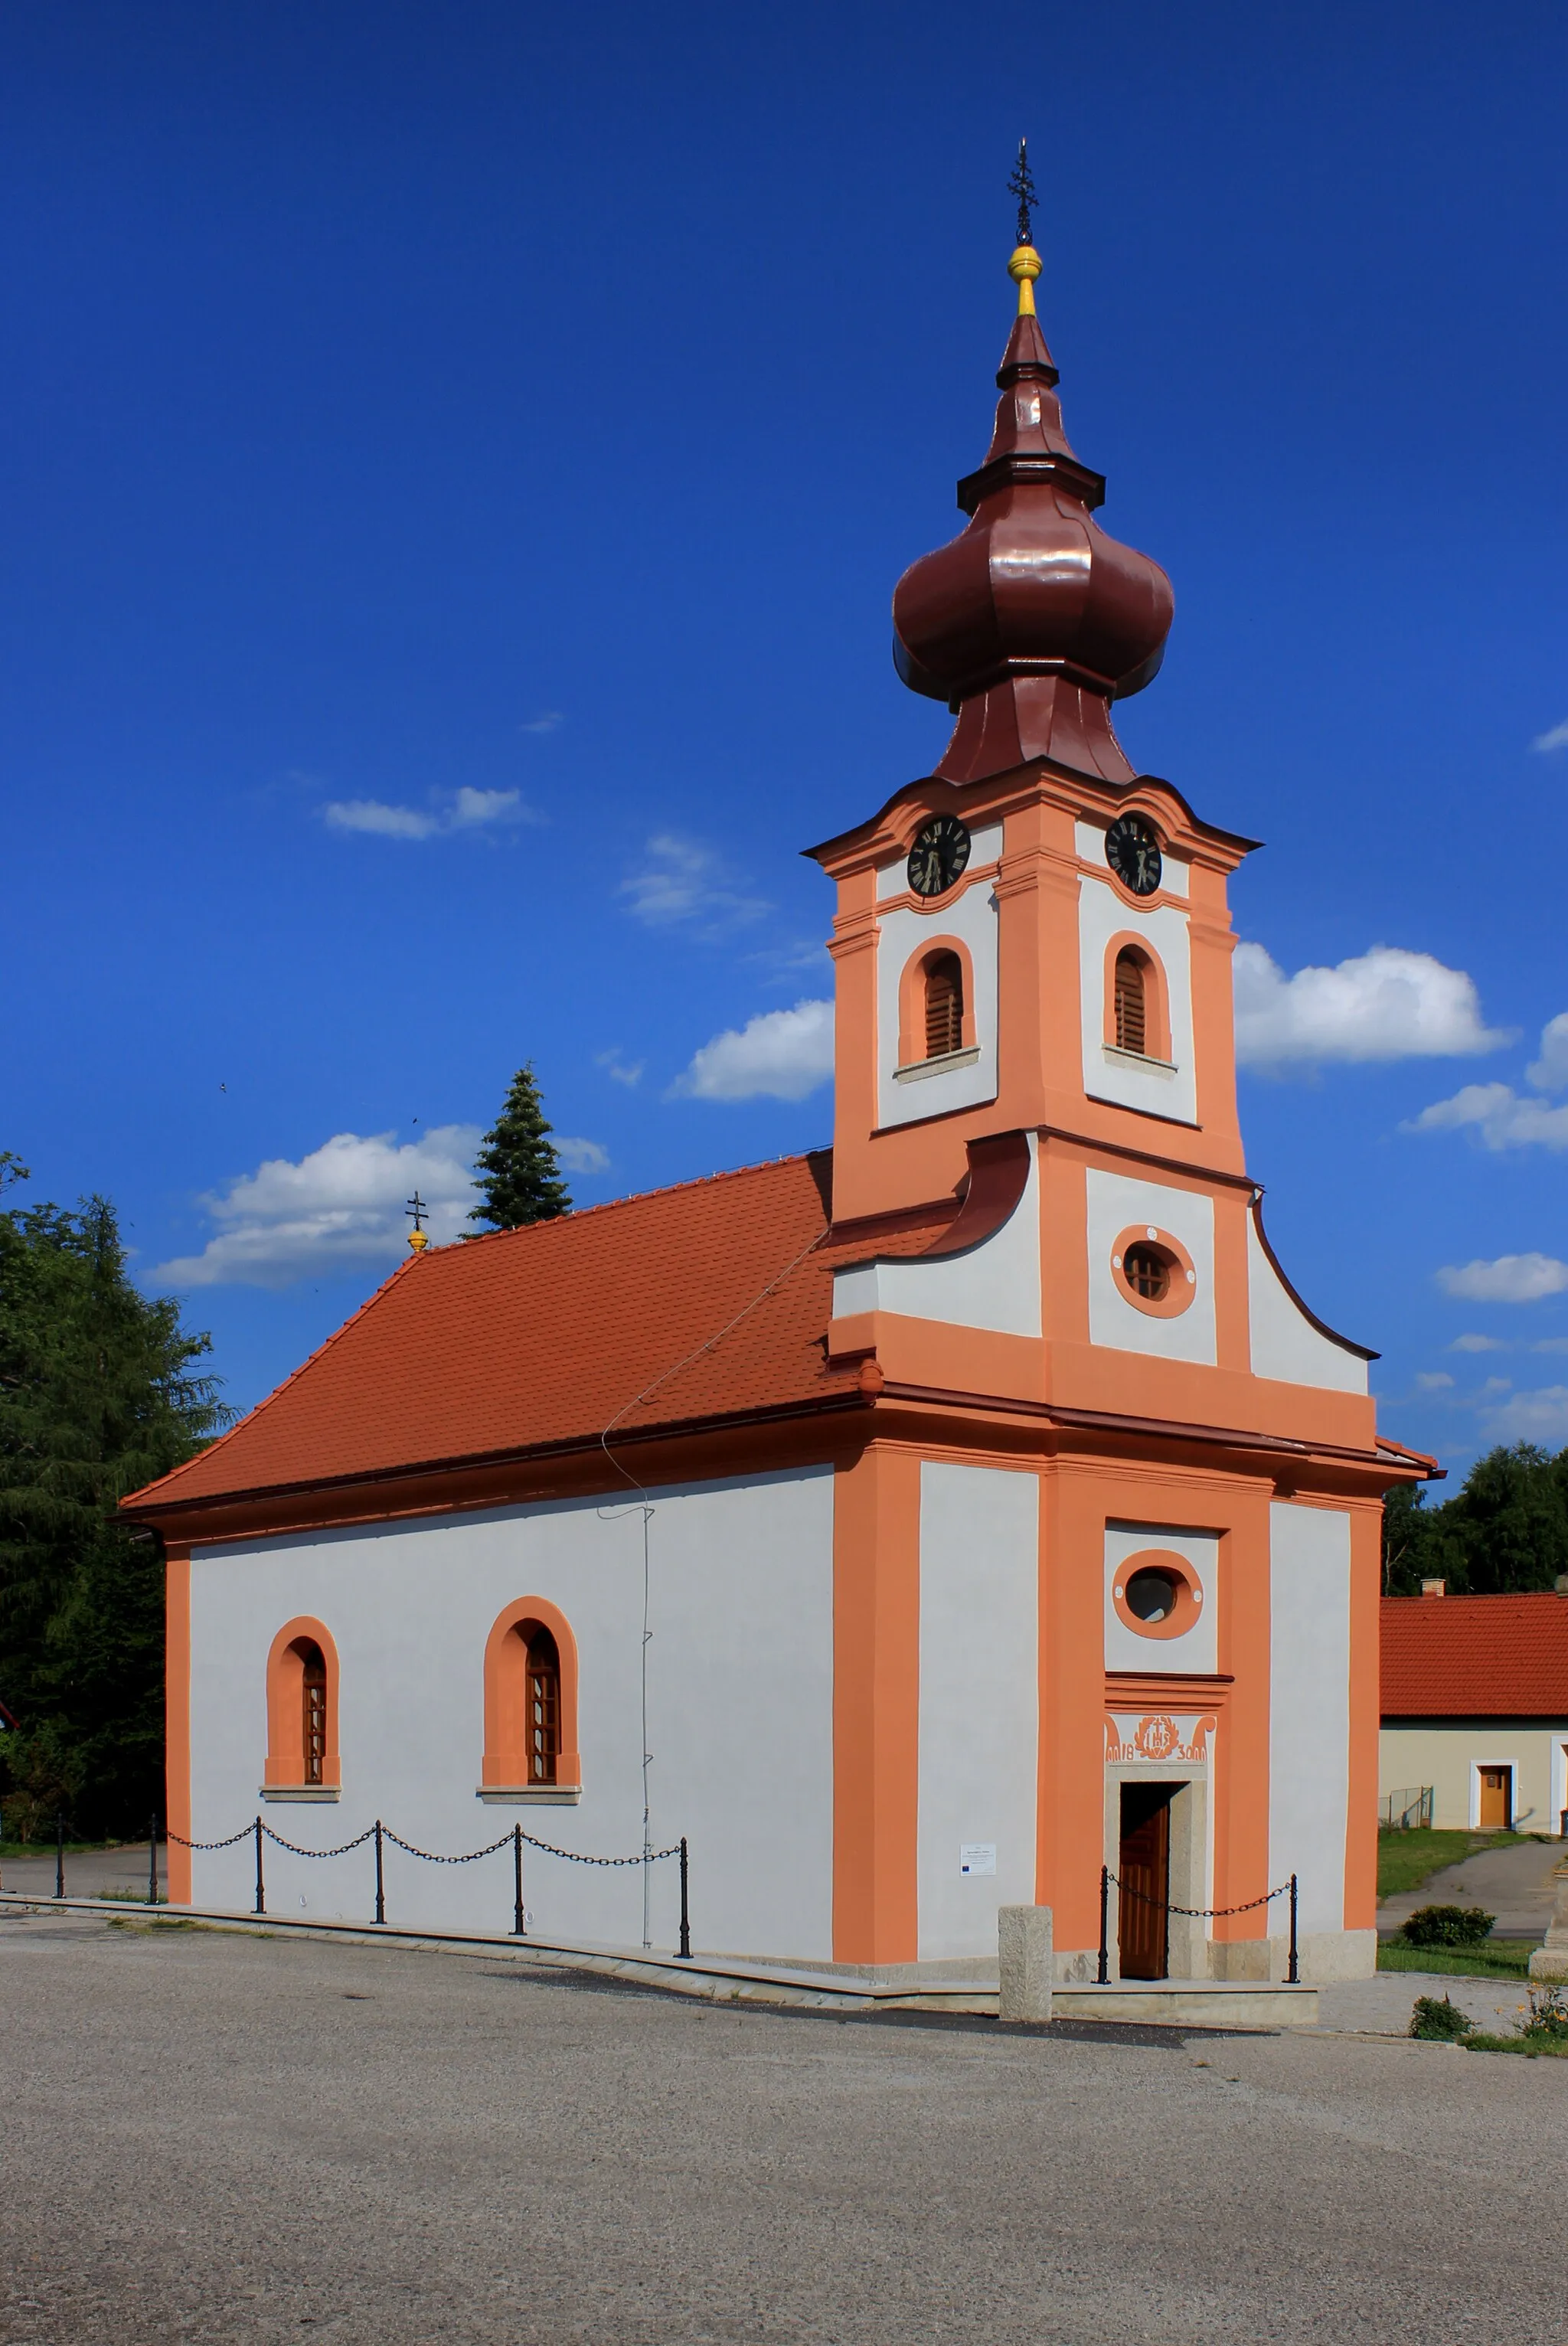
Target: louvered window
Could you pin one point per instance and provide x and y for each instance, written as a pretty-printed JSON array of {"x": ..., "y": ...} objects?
[
  {"x": 1132, "y": 1003},
  {"x": 544, "y": 1721},
  {"x": 313, "y": 1689},
  {"x": 944, "y": 1005}
]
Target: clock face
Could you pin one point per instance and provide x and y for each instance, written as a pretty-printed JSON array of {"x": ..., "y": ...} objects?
[
  {"x": 938, "y": 856},
  {"x": 1132, "y": 852}
]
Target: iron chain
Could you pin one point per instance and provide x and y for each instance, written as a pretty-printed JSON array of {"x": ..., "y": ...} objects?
[{"x": 1196, "y": 1914}]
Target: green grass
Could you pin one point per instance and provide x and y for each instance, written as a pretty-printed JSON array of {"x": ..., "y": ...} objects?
[
  {"x": 1405, "y": 1860},
  {"x": 1534, "y": 2048},
  {"x": 1493, "y": 1959}
]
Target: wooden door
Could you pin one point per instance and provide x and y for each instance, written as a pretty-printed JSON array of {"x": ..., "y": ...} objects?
[
  {"x": 1144, "y": 1925},
  {"x": 1496, "y": 1799}
]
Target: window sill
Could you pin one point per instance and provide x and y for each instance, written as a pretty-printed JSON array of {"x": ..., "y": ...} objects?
[
  {"x": 529, "y": 1796},
  {"x": 920, "y": 1068},
  {"x": 1115, "y": 1058},
  {"x": 300, "y": 1793}
]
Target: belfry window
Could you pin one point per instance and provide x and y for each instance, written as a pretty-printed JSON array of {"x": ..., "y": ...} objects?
[
  {"x": 542, "y": 1725},
  {"x": 1132, "y": 1002},
  {"x": 944, "y": 1005},
  {"x": 313, "y": 1705}
]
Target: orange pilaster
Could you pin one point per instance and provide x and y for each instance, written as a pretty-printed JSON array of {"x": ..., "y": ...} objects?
[
  {"x": 176, "y": 1720},
  {"x": 876, "y": 1707}
]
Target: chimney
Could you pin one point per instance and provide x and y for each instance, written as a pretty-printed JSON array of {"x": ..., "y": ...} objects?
[
  {"x": 1561, "y": 1584},
  {"x": 1439, "y": 1587}
]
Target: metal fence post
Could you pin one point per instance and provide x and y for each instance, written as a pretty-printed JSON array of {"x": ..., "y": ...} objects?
[
  {"x": 152, "y": 1860},
  {"x": 1103, "y": 1975},
  {"x": 684, "y": 1910},
  {"x": 518, "y": 1926},
  {"x": 380, "y": 1887},
  {"x": 261, "y": 1884},
  {"x": 59, "y": 1855},
  {"x": 1294, "y": 1974}
]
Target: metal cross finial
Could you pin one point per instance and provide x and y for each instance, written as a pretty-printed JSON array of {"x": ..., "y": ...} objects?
[
  {"x": 417, "y": 1207},
  {"x": 1022, "y": 185}
]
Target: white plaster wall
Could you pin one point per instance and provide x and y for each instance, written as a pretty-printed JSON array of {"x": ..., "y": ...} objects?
[
  {"x": 903, "y": 933},
  {"x": 1171, "y": 1091},
  {"x": 1176, "y": 875},
  {"x": 1197, "y": 1649},
  {"x": 1284, "y": 1341},
  {"x": 739, "y": 1713},
  {"x": 1310, "y": 1709},
  {"x": 979, "y": 1700},
  {"x": 1116, "y": 1203},
  {"x": 1448, "y": 1755},
  {"x": 994, "y": 1285}
]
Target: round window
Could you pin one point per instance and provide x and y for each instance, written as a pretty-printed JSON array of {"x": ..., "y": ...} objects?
[
  {"x": 1151, "y": 1594},
  {"x": 1148, "y": 1272}
]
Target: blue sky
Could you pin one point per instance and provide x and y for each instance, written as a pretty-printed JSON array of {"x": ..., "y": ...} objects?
[{"x": 455, "y": 464}]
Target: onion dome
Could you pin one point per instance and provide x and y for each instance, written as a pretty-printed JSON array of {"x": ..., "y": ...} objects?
[{"x": 1031, "y": 621}]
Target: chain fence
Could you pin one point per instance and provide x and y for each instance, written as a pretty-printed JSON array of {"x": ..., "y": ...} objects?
[
  {"x": 1109, "y": 1880},
  {"x": 259, "y": 1831}
]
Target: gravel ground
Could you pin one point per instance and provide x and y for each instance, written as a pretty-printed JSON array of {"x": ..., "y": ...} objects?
[{"x": 209, "y": 2137}]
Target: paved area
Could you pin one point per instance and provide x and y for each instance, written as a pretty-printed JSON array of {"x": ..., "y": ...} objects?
[
  {"x": 90, "y": 1873},
  {"x": 1382, "y": 2006},
  {"x": 1517, "y": 1884},
  {"x": 214, "y": 2137}
]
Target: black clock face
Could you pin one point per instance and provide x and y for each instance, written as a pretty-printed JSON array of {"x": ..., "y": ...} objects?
[
  {"x": 1132, "y": 852},
  {"x": 938, "y": 856}
]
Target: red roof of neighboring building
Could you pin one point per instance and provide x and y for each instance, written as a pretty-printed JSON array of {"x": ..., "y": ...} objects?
[
  {"x": 1475, "y": 1657},
  {"x": 547, "y": 1334}
]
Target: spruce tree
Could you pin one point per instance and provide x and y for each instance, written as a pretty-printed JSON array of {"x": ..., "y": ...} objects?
[
  {"x": 518, "y": 1174},
  {"x": 98, "y": 1396}
]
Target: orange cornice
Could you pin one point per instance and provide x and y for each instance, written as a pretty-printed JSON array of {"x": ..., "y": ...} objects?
[{"x": 889, "y": 830}]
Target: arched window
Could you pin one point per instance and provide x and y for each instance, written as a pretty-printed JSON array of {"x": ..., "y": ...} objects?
[
  {"x": 313, "y": 1692},
  {"x": 1132, "y": 1002},
  {"x": 531, "y": 1704},
  {"x": 302, "y": 1710},
  {"x": 944, "y": 1005},
  {"x": 543, "y": 1706}
]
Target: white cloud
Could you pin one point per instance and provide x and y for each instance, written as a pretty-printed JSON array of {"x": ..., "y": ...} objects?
[
  {"x": 1386, "y": 1003},
  {"x": 581, "y": 1155},
  {"x": 681, "y": 881},
  {"x": 778, "y": 1054},
  {"x": 549, "y": 720},
  {"x": 1549, "y": 1073},
  {"x": 338, "y": 1209},
  {"x": 1433, "y": 1380},
  {"x": 1550, "y": 1344},
  {"x": 618, "y": 1070},
  {"x": 464, "y": 810},
  {"x": 1506, "y": 1118},
  {"x": 1557, "y": 739},
  {"x": 1511, "y": 1278},
  {"x": 1502, "y": 1118},
  {"x": 1541, "y": 1416},
  {"x": 1478, "y": 1344}
]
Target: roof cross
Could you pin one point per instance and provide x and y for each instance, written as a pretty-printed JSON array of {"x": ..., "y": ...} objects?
[{"x": 1022, "y": 185}]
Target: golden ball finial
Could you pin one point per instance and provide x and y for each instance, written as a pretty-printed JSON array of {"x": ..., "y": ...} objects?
[
  {"x": 419, "y": 1241},
  {"x": 1023, "y": 269}
]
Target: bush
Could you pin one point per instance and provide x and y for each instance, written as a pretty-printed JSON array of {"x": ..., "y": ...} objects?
[
  {"x": 1548, "y": 2015},
  {"x": 1441, "y": 2021},
  {"x": 1447, "y": 1926}
]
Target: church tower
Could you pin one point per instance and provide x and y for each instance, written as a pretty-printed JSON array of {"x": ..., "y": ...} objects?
[{"x": 1035, "y": 1028}]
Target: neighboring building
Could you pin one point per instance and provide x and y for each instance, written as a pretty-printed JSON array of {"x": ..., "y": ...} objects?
[
  {"x": 1000, "y": 1511},
  {"x": 1475, "y": 1706}
]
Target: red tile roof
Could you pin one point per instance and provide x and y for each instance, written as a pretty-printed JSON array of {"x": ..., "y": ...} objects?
[
  {"x": 522, "y": 1338},
  {"x": 1475, "y": 1657}
]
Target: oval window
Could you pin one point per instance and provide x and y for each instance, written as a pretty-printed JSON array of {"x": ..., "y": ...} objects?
[
  {"x": 1147, "y": 1271},
  {"x": 1151, "y": 1594}
]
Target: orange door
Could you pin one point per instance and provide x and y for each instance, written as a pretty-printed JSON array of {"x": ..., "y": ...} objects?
[{"x": 1496, "y": 1799}]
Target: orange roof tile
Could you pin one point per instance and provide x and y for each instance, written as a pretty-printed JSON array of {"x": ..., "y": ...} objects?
[
  {"x": 696, "y": 1302},
  {"x": 1475, "y": 1657}
]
